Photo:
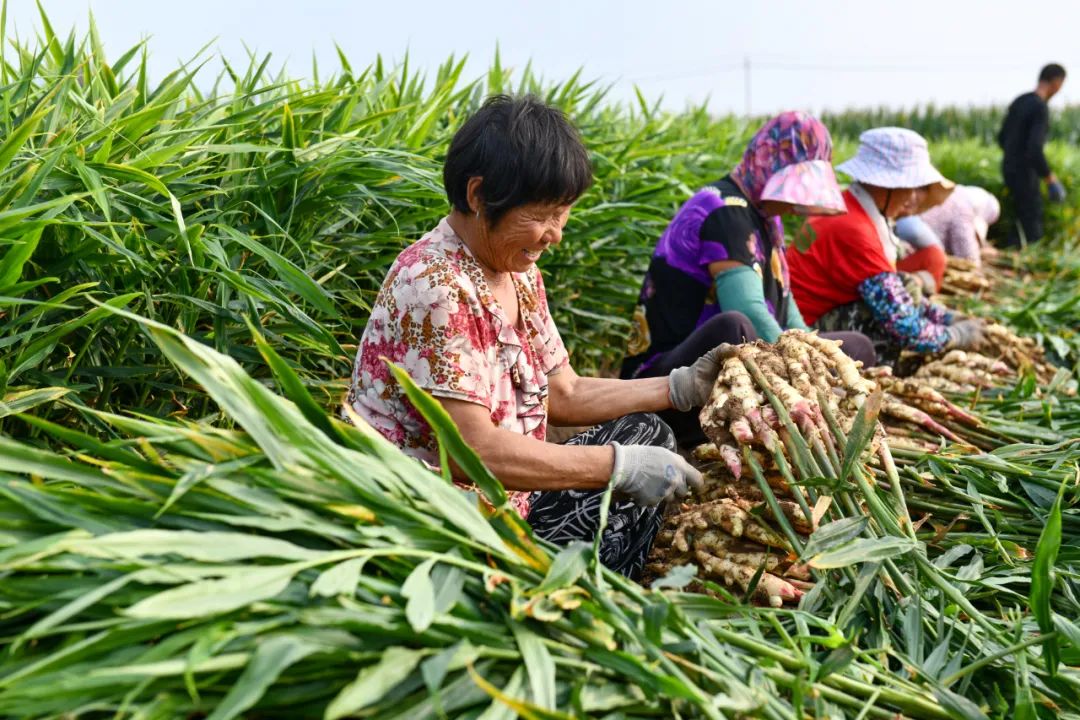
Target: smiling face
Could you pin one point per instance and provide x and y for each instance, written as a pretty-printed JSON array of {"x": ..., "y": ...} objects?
[
  {"x": 517, "y": 239},
  {"x": 522, "y": 235}
]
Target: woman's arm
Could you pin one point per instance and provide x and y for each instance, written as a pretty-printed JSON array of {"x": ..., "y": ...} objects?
[
  {"x": 739, "y": 288},
  {"x": 795, "y": 319},
  {"x": 915, "y": 231},
  {"x": 960, "y": 238},
  {"x": 937, "y": 313},
  {"x": 575, "y": 400},
  {"x": 895, "y": 311},
  {"x": 525, "y": 463},
  {"x": 728, "y": 237}
]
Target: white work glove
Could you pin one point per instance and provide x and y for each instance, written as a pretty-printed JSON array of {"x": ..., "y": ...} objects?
[
  {"x": 966, "y": 334},
  {"x": 649, "y": 475},
  {"x": 689, "y": 387}
]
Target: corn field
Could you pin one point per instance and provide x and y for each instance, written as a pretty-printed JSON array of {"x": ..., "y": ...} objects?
[
  {"x": 951, "y": 123},
  {"x": 188, "y": 530}
]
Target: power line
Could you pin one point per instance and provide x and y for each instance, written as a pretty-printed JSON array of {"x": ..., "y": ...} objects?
[
  {"x": 940, "y": 69},
  {"x": 746, "y": 65},
  {"x": 681, "y": 75}
]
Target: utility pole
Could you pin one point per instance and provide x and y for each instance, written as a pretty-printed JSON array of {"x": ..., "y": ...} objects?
[{"x": 746, "y": 82}]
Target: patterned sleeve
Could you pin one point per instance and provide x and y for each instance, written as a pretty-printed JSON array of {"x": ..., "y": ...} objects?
[
  {"x": 555, "y": 357},
  {"x": 430, "y": 322},
  {"x": 899, "y": 316},
  {"x": 960, "y": 238},
  {"x": 938, "y": 314},
  {"x": 729, "y": 233}
]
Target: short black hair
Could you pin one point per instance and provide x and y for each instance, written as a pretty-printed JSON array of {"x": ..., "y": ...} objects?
[
  {"x": 525, "y": 151},
  {"x": 1051, "y": 72}
]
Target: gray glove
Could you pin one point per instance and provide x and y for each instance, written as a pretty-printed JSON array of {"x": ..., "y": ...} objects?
[
  {"x": 966, "y": 334},
  {"x": 929, "y": 285},
  {"x": 649, "y": 475},
  {"x": 689, "y": 387}
]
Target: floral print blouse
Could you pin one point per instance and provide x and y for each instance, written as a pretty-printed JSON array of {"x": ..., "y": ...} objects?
[
  {"x": 920, "y": 326},
  {"x": 436, "y": 317}
]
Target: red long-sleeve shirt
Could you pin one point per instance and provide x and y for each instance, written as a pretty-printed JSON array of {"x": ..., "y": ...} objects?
[
  {"x": 846, "y": 263},
  {"x": 845, "y": 252}
]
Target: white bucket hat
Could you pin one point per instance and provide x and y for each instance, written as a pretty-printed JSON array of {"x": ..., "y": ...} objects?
[{"x": 892, "y": 157}]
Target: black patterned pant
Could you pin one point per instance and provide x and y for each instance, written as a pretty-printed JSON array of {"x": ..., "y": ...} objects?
[
  {"x": 856, "y": 317},
  {"x": 567, "y": 515}
]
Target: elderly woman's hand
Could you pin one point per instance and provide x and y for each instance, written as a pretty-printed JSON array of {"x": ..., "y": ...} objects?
[
  {"x": 650, "y": 475},
  {"x": 689, "y": 387}
]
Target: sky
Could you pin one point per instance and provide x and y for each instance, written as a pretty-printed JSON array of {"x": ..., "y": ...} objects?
[{"x": 758, "y": 55}]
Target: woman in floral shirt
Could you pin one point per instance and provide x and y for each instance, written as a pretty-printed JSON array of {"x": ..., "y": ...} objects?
[{"x": 464, "y": 312}]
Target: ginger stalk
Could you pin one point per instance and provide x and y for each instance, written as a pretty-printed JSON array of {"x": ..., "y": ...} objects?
[
  {"x": 913, "y": 415},
  {"x": 770, "y": 589},
  {"x": 957, "y": 374},
  {"x": 924, "y": 395}
]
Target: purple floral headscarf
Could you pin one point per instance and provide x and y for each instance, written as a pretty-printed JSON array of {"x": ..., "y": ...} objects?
[{"x": 790, "y": 160}]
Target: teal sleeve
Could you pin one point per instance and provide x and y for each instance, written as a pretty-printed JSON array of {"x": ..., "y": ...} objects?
[
  {"x": 794, "y": 316},
  {"x": 740, "y": 289}
]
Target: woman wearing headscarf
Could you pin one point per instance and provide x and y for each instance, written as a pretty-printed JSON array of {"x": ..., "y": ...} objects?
[
  {"x": 719, "y": 273},
  {"x": 848, "y": 278}
]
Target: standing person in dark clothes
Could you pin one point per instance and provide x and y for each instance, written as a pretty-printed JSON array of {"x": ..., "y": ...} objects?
[
  {"x": 1022, "y": 137},
  {"x": 464, "y": 312}
]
